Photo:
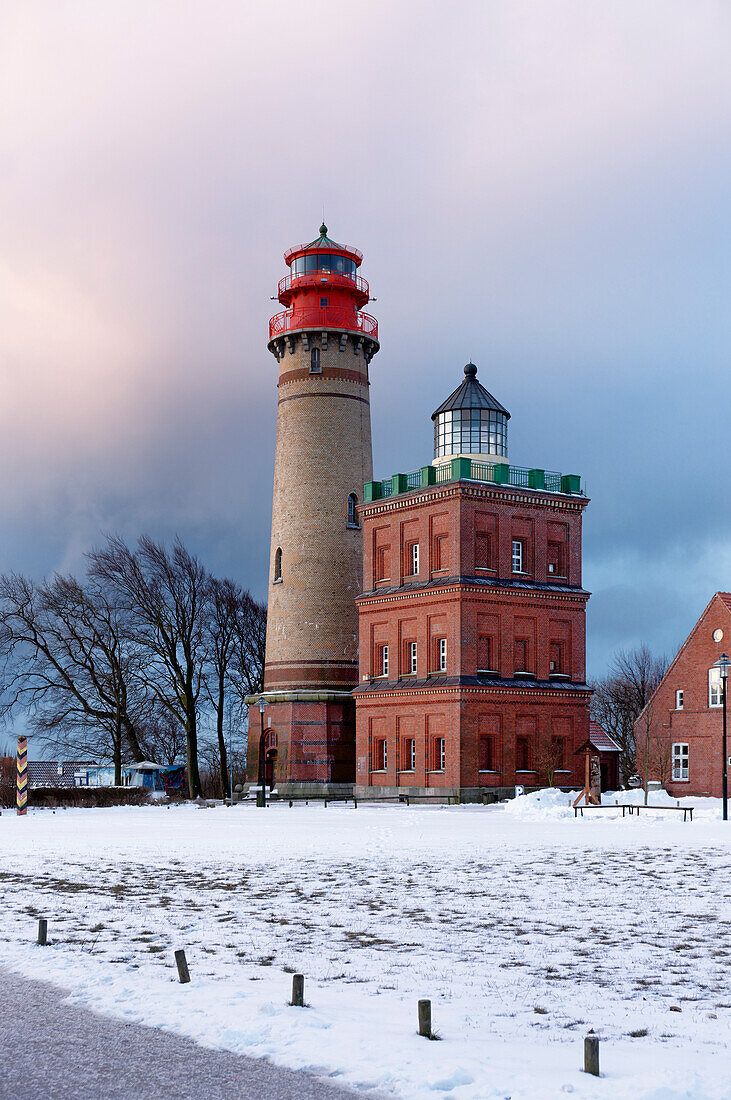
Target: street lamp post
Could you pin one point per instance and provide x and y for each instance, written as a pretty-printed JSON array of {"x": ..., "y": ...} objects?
[
  {"x": 261, "y": 799},
  {"x": 722, "y": 663}
]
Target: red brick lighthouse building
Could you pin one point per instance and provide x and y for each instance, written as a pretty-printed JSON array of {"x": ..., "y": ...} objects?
[
  {"x": 323, "y": 344},
  {"x": 472, "y": 617}
]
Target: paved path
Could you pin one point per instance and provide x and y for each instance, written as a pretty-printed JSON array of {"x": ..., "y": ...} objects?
[{"x": 53, "y": 1051}]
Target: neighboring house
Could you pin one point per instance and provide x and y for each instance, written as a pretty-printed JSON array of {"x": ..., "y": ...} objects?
[
  {"x": 683, "y": 720},
  {"x": 55, "y": 773}
]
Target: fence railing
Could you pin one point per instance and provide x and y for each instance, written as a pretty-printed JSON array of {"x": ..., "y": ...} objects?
[
  {"x": 465, "y": 469},
  {"x": 292, "y": 319},
  {"x": 323, "y": 278}
]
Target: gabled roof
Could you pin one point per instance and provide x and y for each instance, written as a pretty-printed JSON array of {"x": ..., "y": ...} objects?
[
  {"x": 726, "y": 598},
  {"x": 723, "y": 598},
  {"x": 599, "y": 737},
  {"x": 470, "y": 395}
]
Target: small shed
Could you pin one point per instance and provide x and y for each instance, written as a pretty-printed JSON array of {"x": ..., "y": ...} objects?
[{"x": 608, "y": 756}]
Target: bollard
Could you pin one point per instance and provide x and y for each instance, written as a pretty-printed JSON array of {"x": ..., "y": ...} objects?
[
  {"x": 43, "y": 932},
  {"x": 425, "y": 1019},
  {"x": 183, "y": 972},
  {"x": 591, "y": 1055},
  {"x": 298, "y": 991}
]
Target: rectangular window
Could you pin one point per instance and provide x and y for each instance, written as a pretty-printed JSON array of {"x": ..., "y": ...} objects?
[
  {"x": 487, "y": 754},
  {"x": 679, "y": 699},
  {"x": 556, "y": 566},
  {"x": 411, "y": 564},
  {"x": 523, "y": 754},
  {"x": 315, "y": 367},
  {"x": 555, "y": 662},
  {"x": 681, "y": 757},
  {"x": 384, "y": 661},
  {"x": 520, "y": 660},
  {"x": 440, "y": 753},
  {"x": 410, "y": 754},
  {"x": 412, "y": 658},
  {"x": 714, "y": 687},
  {"x": 380, "y": 756},
  {"x": 518, "y": 556},
  {"x": 441, "y": 654},
  {"x": 323, "y": 303}
]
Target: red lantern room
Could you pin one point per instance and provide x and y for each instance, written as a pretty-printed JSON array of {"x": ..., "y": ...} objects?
[{"x": 323, "y": 290}]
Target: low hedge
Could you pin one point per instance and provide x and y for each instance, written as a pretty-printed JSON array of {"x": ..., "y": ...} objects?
[{"x": 52, "y": 797}]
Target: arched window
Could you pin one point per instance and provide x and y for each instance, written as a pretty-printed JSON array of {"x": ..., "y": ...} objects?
[
  {"x": 278, "y": 564},
  {"x": 315, "y": 367},
  {"x": 352, "y": 512}
]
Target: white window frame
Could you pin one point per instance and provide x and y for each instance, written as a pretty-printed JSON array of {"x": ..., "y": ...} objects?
[
  {"x": 384, "y": 661},
  {"x": 442, "y": 655},
  {"x": 384, "y": 755},
  {"x": 681, "y": 762},
  {"x": 441, "y": 747},
  {"x": 412, "y": 754},
  {"x": 413, "y": 658},
  {"x": 518, "y": 556},
  {"x": 679, "y": 698},
  {"x": 714, "y": 688},
  {"x": 414, "y": 563}
]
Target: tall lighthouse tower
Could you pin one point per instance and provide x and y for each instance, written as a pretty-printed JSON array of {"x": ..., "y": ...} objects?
[{"x": 323, "y": 343}]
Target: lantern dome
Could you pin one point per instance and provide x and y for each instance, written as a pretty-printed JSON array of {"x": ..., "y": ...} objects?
[{"x": 471, "y": 422}]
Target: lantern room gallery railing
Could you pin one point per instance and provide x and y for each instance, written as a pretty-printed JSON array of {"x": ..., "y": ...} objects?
[{"x": 291, "y": 320}]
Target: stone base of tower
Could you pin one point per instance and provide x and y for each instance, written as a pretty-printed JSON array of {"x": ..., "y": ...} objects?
[{"x": 308, "y": 742}]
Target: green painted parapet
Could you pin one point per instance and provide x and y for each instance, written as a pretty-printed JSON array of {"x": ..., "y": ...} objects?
[
  {"x": 461, "y": 468},
  {"x": 570, "y": 483},
  {"x": 372, "y": 490},
  {"x": 537, "y": 479},
  {"x": 501, "y": 473},
  {"x": 428, "y": 476},
  {"x": 399, "y": 484}
]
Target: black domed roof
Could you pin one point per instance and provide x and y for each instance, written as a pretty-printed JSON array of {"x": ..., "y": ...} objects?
[{"x": 470, "y": 395}]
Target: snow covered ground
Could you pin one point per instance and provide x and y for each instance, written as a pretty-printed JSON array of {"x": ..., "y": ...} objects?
[{"x": 524, "y": 926}]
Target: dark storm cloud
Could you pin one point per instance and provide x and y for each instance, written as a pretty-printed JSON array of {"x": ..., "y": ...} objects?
[{"x": 543, "y": 188}]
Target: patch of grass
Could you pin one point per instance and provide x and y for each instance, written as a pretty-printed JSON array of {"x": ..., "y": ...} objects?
[
  {"x": 540, "y": 1011},
  {"x": 639, "y": 1034}
]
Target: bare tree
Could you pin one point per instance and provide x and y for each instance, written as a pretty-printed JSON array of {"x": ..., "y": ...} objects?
[
  {"x": 226, "y": 608},
  {"x": 621, "y": 696},
  {"x": 166, "y": 594},
  {"x": 550, "y": 757},
  {"x": 68, "y": 660},
  {"x": 247, "y": 668}
]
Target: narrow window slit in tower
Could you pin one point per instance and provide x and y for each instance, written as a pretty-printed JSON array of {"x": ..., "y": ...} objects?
[{"x": 315, "y": 367}]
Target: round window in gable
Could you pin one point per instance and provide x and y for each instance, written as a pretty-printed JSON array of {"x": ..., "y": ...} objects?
[{"x": 718, "y": 635}]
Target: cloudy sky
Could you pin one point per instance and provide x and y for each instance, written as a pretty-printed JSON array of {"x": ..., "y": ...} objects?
[{"x": 541, "y": 185}]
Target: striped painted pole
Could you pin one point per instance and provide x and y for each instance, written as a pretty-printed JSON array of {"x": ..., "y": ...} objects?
[{"x": 21, "y": 782}]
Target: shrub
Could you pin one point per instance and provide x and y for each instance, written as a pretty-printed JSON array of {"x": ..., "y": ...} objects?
[{"x": 51, "y": 797}]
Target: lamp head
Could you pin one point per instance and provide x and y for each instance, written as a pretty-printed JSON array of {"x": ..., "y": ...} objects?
[
  {"x": 723, "y": 665},
  {"x": 262, "y": 706}
]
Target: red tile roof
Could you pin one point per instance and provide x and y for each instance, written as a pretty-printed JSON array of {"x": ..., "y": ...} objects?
[
  {"x": 726, "y": 597},
  {"x": 599, "y": 737}
]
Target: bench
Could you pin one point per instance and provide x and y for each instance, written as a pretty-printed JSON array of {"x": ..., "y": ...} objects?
[
  {"x": 686, "y": 811},
  {"x": 592, "y": 806}
]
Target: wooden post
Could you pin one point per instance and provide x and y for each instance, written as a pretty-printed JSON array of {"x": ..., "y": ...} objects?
[
  {"x": 425, "y": 1019},
  {"x": 42, "y": 932},
  {"x": 21, "y": 779},
  {"x": 591, "y": 1055},
  {"x": 298, "y": 990},
  {"x": 183, "y": 972}
]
